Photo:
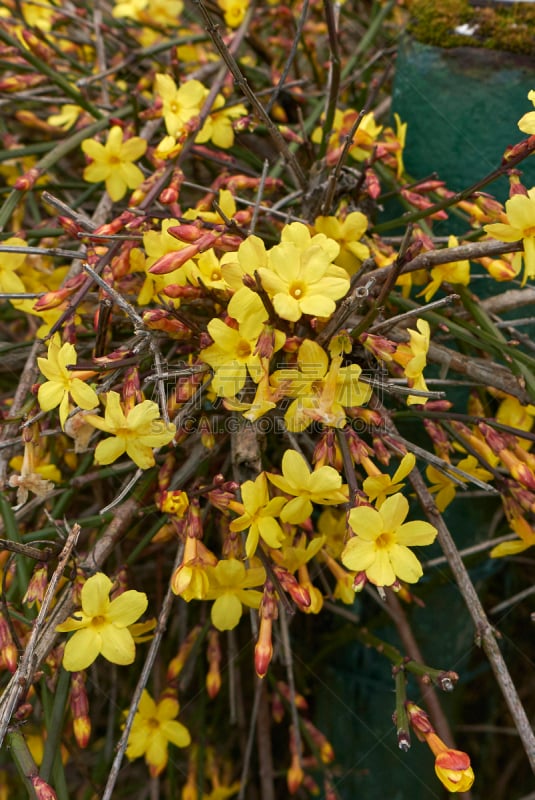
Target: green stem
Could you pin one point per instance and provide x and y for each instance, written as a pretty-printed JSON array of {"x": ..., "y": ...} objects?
[
  {"x": 402, "y": 719},
  {"x": 24, "y": 762},
  {"x": 54, "y": 723}
]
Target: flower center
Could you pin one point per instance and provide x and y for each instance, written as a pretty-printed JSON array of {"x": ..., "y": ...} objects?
[
  {"x": 114, "y": 160},
  {"x": 297, "y": 289},
  {"x": 98, "y": 621},
  {"x": 216, "y": 275},
  {"x": 385, "y": 541},
  {"x": 153, "y": 723},
  {"x": 243, "y": 350},
  {"x": 528, "y": 232},
  {"x": 174, "y": 107}
]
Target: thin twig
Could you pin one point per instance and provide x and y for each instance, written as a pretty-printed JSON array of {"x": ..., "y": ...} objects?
[
  {"x": 213, "y": 30},
  {"x": 28, "y": 664}
]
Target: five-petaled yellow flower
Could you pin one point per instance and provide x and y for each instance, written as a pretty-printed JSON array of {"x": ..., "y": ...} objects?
[
  {"x": 380, "y": 547},
  {"x": 232, "y": 587},
  {"x": 153, "y": 727},
  {"x": 62, "y": 383},
  {"x": 112, "y": 162},
  {"x": 101, "y": 625},
  {"x": 520, "y": 210},
  {"x": 258, "y": 515},
  {"x": 135, "y": 433},
  {"x": 323, "y": 486},
  {"x": 180, "y": 103},
  {"x": 301, "y": 277}
]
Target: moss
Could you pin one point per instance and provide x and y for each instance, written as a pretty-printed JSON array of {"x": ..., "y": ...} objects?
[{"x": 501, "y": 27}]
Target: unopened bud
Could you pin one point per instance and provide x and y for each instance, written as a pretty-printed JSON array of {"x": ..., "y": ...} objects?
[
  {"x": 213, "y": 654},
  {"x": 43, "y": 790}
]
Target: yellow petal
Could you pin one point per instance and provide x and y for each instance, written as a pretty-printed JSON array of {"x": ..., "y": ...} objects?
[
  {"x": 81, "y": 649},
  {"x": 117, "y": 645},
  {"x": 127, "y": 608}
]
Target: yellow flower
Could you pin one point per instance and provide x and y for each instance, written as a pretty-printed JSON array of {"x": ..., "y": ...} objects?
[
  {"x": 323, "y": 486},
  {"x": 207, "y": 272},
  {"x": 112, "y": 162},
  {"x": 347, "y": 232},
  {"x": 233, "y": 355},
  {"x": 364, "y": 138},
  {"x": 153, "y": 727},
  {"x": 452, "y": 272},
  {"x": 39, "y": 15},
  {"x": 524, "y": 530},
  {"x": 9, "y": 264},
  {"x": 231, "y": 583},
  {"x": 380, "y": 547},
  {"x": 378, "y": 487},
  {"x": 301, "y": 277},
  {"x": 218, "y": 125},
  {"x": 444, "y": 488},
  {"x": 520, "y": 211},
  {"x": 293, "y": 557},
  {"x": 322, "y": 390},
  {"x": 101, "y": 625},
  {"x": 527, "y": 122},
  {"x": 66, "y": 118},
  {"x": 258, "y": 515},
  {"x": 234, "y": 11},
  {"x": 451, "y": 766},
  {"x": 180, "y": 104},
  {"x": 63, "y": 383},
  {"x": 413, "y": 359},
  {"x": 134, "y": 434}
]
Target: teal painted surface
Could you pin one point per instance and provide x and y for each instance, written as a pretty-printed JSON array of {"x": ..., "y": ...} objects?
[{"x": 462, "y": 106}]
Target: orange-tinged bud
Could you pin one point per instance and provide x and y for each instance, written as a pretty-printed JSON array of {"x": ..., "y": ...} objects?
[
  {"x": 19, "y": 83},
  {"x": 43, "y": 790},
  {"x": 24, "y": 710},
  {"x": 320, "y": 741},
  {"x": 268, "y": 611},
  {"x": 298, "y": 593},
  {"x": 159, "y": 320},
  {"x": 8, "y": 649},
  {"x": 419, "y": 720},
  {"x": 28, "y": 180},
  {"x": 174, "y": 290},
  {"x": 70, "y": 226},
  {"x": 176, "y": 665},
  {"x": 37, "y": 585},
  {"x": 31, "y": 120},
  {"x": 174, "y": 502},
  {"x": 360, "y": 452},
  {"x": 359, "y": 581},
  {"x": 82, "y": 731},
  {"x": 372, "y": 185},
  {"x": 80, "y": 709},
  {"x": 230, "y": 241},
  {"x": 213, "y": 654},
  {"x": 171, "y": 261},
  {"x": 187, "y": 232},
  {"x": 263, "y": 651},
  {"x": 37, "y": 46},
  {"x": 54, "y": 299},
  {"x": 295, "y": 775},
  {"x": 520, "y": 151}
]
